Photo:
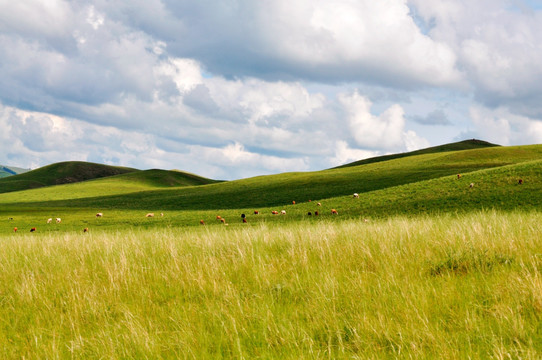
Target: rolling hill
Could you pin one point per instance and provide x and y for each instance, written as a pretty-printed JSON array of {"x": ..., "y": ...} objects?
[
  {"x": 411, "y": 184},
  {"x": 457, "y": 146}
]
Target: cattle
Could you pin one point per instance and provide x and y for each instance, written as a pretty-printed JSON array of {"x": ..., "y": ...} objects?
[
  {"x": 293, "y": 202},
  {"x": 10, "y": 219},
  {"x": 243, "y": 216},
  {"x": 244, "y": 220},
  {"x": 256, "y": 212},
  {"x": 222, "y": 220},
  {"x": 149, "y": 215},
  {"x": 274, "y": 212},
  {"x": 365, "y": 220},
  {"x": 283, "y": 212},
  {"x": 58, "y": 220},
  {"x": 316, "y": 213},
  {"x": 201, "y": 222},
  {"x": 33, "y": 229},
  {"x": 218, "y": 217},
  {"x": 520, "y": 181},
  {"x": 319, "y": 204},
  {"x": 49, "y": 221},
  {"x": 471, "y": 185},
  {"x": 15, "y": 229},
  {"x": 356, "y": 195},
  {"x": 458, "y": 176},
  {"x": 334, "y": 212},
  {"x": 310, "y": 200},
  {"x": 85, "y": 230},
  {"x": 161, "y": 214},
  {"x": 99, "y": 215},
  {"x": 310, "y": 214}
]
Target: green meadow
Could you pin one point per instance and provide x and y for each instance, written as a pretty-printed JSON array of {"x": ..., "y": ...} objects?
[{"x": 421, "y": 265}]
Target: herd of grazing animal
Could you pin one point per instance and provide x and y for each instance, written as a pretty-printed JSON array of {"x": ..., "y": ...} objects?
[{"x": 243, "y": 216}]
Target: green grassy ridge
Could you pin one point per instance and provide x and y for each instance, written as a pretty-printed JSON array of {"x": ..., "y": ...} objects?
[
  {"x": 495, "y": 188},
  {"x": 457, "y": 146},
  {"x": 60, "y": 173},
  {"x": 274, "y": 190}
]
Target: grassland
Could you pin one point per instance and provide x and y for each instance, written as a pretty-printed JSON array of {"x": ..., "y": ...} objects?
[
  {"x": 448, "y": 286},
  {"x": 421, "y": 265}
]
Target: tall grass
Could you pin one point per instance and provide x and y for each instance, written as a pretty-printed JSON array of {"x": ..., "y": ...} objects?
[{"x": 467, "y": 286}]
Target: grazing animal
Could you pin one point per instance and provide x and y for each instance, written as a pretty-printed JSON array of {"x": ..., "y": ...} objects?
[
  {"x": 293, "y": 202},
  {"x": 310, "y": 200},
  {"x": 161, "y": 214},
  {"x": 243, "y": 216},
  {"x": 201, "y": 222},
  {"x": 458, "y": 176},
  {"x": 58, "y": 220},
  {"x": 150, "y": 215},
  {"x": 316, "y": 213},
  {"x": 334, "y": 212},
  {"x": 356, "y": 195},
  {"x": 99, "y": 215},
  {"x": 49, "y": 221},
  {"x": 283, "y": 212},
  {"x": 218, "y": 217},
  {"x": 223, "y": 220},
  {"x": 309, "y": 213},
  {"x": 365, "y": 220},
  {"x": 520, "y": 181},
  {"x": 85, "y": 230},
  {"x": 10, "y": 218},
  {"x": 319, "y": 204},
  {"x": 33, "y": 229},
  {"x": 256, "y": 212},
  {"x": 244, "y": 220},
  {"x": 471, "y": 185},
  {"x": 274, "y": 212},
  {"x": 15, "y": 229}
]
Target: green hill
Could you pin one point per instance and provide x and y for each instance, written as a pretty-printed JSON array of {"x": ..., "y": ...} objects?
[
  {"x": 388, "y": 179},
  {"x": 457, "y": 146},
  {"x": 59, "y": 173}
]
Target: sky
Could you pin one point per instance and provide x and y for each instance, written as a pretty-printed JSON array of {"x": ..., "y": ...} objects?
[{"x": 230, "y": 89}]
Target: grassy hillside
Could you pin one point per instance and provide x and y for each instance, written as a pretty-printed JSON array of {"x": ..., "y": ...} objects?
[
  {"x": 277, "y": 190},
  {"x": 457, "y": 146},
  {"x": 60, "y": 173}
]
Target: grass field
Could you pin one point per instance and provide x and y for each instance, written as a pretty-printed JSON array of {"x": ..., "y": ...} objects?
[
  {"x": 448, "y": 286},
  {"x": 421, "y": 265}
]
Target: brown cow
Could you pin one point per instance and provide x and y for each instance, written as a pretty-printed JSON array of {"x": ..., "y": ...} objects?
[
  {"x": 244, "y": 220},
  {"x": 33, "y": 229},
  {"x": 293, "y": 202},
  {"x": 520, "y": 181},
  {"x": 458, "y": 176},
  {"x": 334, "y": 212},
  {"x": 149, "y": 215},
  {"x": 15, "y": 229},
  {"x": 99, "y": 215},
  {"x": 256, "y": 212},
  {"x": 85, "y": 230},
  {"x": 274, "y": 212},
  {"x": 201, "y": 222}
]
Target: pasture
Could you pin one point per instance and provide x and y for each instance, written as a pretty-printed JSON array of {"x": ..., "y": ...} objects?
[
  {"x": 447, "y": 286},
  {"x": 420, "y": 265}
]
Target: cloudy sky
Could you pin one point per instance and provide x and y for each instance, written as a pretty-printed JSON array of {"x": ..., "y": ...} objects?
[{"x": 236, "y": 88}]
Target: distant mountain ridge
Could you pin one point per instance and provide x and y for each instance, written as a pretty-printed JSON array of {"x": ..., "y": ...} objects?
[{"x": 6, "y": 171}]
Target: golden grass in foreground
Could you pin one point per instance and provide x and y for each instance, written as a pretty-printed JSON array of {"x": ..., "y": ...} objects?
[{"x": 447, "y": 287}]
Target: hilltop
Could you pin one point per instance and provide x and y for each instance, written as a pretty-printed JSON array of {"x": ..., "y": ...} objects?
[{"x": 457, "y": 146}]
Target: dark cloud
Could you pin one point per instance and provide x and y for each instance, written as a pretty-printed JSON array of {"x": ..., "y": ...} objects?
[{"x": 435, "y": 117}]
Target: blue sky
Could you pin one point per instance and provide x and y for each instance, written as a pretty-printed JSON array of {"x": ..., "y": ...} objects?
[{"x": 230, "y": 89}]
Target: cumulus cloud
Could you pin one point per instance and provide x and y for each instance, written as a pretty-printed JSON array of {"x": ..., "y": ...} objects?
[
  {"x": 505, "y": 128},
  {"x": 260, "y": 86},
  {"x": 385, "y": 131}
]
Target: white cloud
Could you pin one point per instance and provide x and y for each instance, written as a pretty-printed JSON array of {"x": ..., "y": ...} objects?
[
  {"x": 502, "y": 127},
  {"x": 385, "y": 131}
]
